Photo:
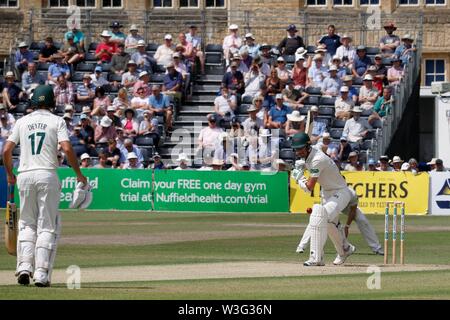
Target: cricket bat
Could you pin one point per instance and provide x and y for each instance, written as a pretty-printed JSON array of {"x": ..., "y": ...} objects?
[{"x": 11, "y": 224}]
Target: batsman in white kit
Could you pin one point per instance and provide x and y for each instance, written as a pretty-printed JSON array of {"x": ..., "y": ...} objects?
[
  {"x": 324, "y": 219},
  {"x": 39, "y": 135}
]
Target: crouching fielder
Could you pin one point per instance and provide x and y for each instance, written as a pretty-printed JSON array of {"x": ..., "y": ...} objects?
[
  {"x": 324, "y": 219},
  {"x": 39, "y": 134}
]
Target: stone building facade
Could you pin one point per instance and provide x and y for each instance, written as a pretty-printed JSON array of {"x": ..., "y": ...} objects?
[{"x": 429, "y": 20}]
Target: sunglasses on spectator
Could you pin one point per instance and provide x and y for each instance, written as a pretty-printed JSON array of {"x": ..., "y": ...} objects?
[{"x": 140, "y": 91}]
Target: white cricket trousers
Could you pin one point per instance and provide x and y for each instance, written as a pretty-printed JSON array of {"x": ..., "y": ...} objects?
[{"x": 39, "y": 222}]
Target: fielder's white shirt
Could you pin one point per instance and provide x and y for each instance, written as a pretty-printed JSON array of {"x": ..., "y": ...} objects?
[
  {"x": 39, "y": 134},
  {"x": 322, "y": 167}
]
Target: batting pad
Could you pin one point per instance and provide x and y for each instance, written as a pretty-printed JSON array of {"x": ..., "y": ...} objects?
[{"x": 318, "y": 222}]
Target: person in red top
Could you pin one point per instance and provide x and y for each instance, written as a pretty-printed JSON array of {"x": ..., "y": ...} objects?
[
  {"x": 106, "y": 49},
  {"x": 300, "y": 71}
]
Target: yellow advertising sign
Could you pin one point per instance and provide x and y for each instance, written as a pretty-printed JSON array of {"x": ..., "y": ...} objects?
[{"x": 374, "y": 189}]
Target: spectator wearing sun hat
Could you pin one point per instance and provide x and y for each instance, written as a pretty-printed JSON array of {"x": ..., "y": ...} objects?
[
  {"x": 352, "y": 164},
  {"x": 344, "y": 149},
  {"x": 317, "y": 73},
  {"x": 282, "y": 72},
  {"x": 331, "y": 84},
  {"x": 318, "y": 128},
  {"x": 23, "y": 57},
  {"x": 12, "y": 93},
  {"x": 290, "y": 44},
  {"x": 355, "y": 128},
  {"x": 143, "y": 60},
  {"x": 250, "y": 46},
  {"x": 295, "y": 123},
  {"x": 361, "y": 62},
  {"x": 346, "y": 52},
  {"x": 105, "y": 49},
  {"x": 278, "y": 113},
  {"x": 390, "y": 41},
  {"x": 406, "y": 50},
  {"x": 86, "y": 91},
  {"x": 164, "y": 53},
  {"x": 368, "y": 94},
  {"x": 105, "y": 131},
  {"x": 130, "y": 77},
  {"x": 343, "y": 104},
  {"x": 397, "y": 163},
  {"x": 132, "y": 39},
  {"x": 231, "y": 43},
  {"x": 132, "y": 162}
]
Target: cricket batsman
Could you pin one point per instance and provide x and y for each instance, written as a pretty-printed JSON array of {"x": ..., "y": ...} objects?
[
  {"x": 39, "y": 135},
  {"x": 336, "y": 195}
]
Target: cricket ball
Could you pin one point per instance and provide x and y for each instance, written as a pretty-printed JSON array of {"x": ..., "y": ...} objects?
[{"x": 309, "y": 211}]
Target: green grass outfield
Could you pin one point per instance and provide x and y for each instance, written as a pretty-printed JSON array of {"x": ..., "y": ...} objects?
[{"x": 93, "y": 239}]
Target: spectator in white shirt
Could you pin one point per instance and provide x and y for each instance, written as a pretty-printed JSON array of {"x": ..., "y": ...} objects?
[
  {"x": 231, "y": 43},
  {"x": 164, "y": 53},
  {"x": 133, "y": 162},
  {"x": 331, "y": 84},
  {"x": 368, "y": 95},
  {"x": 317, "y": 73},
  {"x": 225, "y": 104},
  {"x": 355, "y": 128},
  {"x": 253, "y": 80},
  {"x": 346, "y": 52},
  {"x": 209, "y": 138},
  {"x": 343, "y": 105},
  {"x": 132, "y": 40},
  {"x": 183, "y": 162}
]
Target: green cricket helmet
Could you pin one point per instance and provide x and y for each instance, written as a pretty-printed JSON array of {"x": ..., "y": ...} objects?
[
  {"x": 43, "y": 96},
  {"x": 300, "y": 140}
]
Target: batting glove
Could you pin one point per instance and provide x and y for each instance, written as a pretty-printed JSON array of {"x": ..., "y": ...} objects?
[
  {"x": 302, "y": 184},
  {"x": 297, "y": 174},
  {"x": 299, "y": 164}
]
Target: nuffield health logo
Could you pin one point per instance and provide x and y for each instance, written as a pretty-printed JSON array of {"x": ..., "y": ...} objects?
[{"x": 444, "y": 194}]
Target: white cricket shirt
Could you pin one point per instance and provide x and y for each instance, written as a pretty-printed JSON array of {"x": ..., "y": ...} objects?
[{"x": 39, "y": 134}]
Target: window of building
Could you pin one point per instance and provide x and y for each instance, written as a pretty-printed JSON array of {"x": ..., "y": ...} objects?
[
  {"x": 9, "y": 3},
  {"x": 85, "y": 3},
  {"x": 434, "y": 71},
  {"x": 189, "y": 3},
  {"x": 162, "y": 3},
  {"x": 408, "y": 2},
  {"x": 215, "y": 3},
  {"x": 316, "y": 2},
  {"x": 369, "y": 2},
  {"x": 434, "y": 2},
  {"x": 343, "y": 2},
  {"x": 59, "y": 3},
  {"x": 112, "y": 4}
]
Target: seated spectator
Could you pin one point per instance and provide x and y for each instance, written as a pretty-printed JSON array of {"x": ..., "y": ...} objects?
[
  {"x": 77, "y": 139},
  {"x": 231, "y": 43},
  {"x": 250, "y": 46},
  {"x": 413, "y": 166},
  {"x": 30, "y": 78},
  {"x": 352, "y": 164},
  {"x": 295, "y": 123},
  {"x": 355, "y": 128},
  {"x": 324, "y": 142},
  {"x": 377, "y": 82},
  {"x": 181, "y": 67},
  {"x": 86, "y": 91},
  {"x": 173, "y": 82},
  {"x": 397, "y": 164},
  {"x": 68, "y": 118},
  {"x": 346, "y": 52},
  {"x": 47, "y": 52},
  {"x": 130, "y": 124},
  {"x": 264, "y": 101},
  {"x": 317, "y": 73},
  {"x": 318, "y": 128},
  {"x": 353, "y": 93},
  {"x": 57, "y": 68},
  {"x": 236, "y": 132},
  {"x": 382, "y": 107},
  {"x": 361, "y": 62},
  {"x": 293, "y": 96},
  {"x": 112, "y": 153},
  {"x": 234, "y": 80},
  {"x": 105, "y": 131},
  {"x": 225, "y": 105},
  {"x": 23, "y": 57},
  {"x": 101, "y": 102},
  {"x": 64, "y": 91},
  {"x": 149, "y": 127},
  {"x": 132, "y": 40},
  {"x": 78, "y": 37},
  {"x": 196, "y": 41},
  {"x": 395, "y": 73},
  {"x": 282, "y": 72},
  {"x": 389, "y": 42},
  {"x": 188, "y": 54},
  {"x": 290, "y": 44},
  {"x": 98, "y": 79},
  {"x": 117, "y": 36},
  {"x": 87, "y": 131},
  {"x": 266, "y": 55},
  {"x": 144, "y": 82},
  {"x": 381, "y": 70},
  {"x": 106, "y": 49},
  {"x": 331, "y": 84},
  {"x": 157, "y": 163},
  {"x": 141, "y": 102},
  {"x": 119, "y": 60},
  {"x": 85, "y": 161},
  {"x": 209, "y": 139},
  {"x": 130, "y": 77},
  {"x": 368, "y": 95},
  {"x": 7, "y": 122},
  {"x": 132, "y": 162},
  {"x": 144, "y": 61},
  {"x": 111, "y": 112},
  {"x": 253, "y": 80},
  {"x": 344, "y": 149},
  {"x": 267, "y": 151},
  {"x": 439, "y": 166},
  {"x": 331, "y": 40},
  {"x": 160, "y": 105},
  {"x": 183, "y": 162},
  {"x": 300, "y": 72},
  {"x": 406, "y": 49},
  {"x": 274, "y": 83},
  {"x": 278, "y": 113},
  {"x": 341, "y": 70},
  {"x": 71, "y": 51},
  {"x": 252, "y": 123},
  {"x": 384, "y": 164},
  {"x": 127, "y": 148},
  {"x": 102, "y": 160},
  {"x": 371, "y": 165},
  {"x": 343, "y": 105},
  {"x": 12, "y": 94},
  {"x": 323, "y": 52},
  {"x": 68, "y": 108},
  {"x": 164, "y": 53}
]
